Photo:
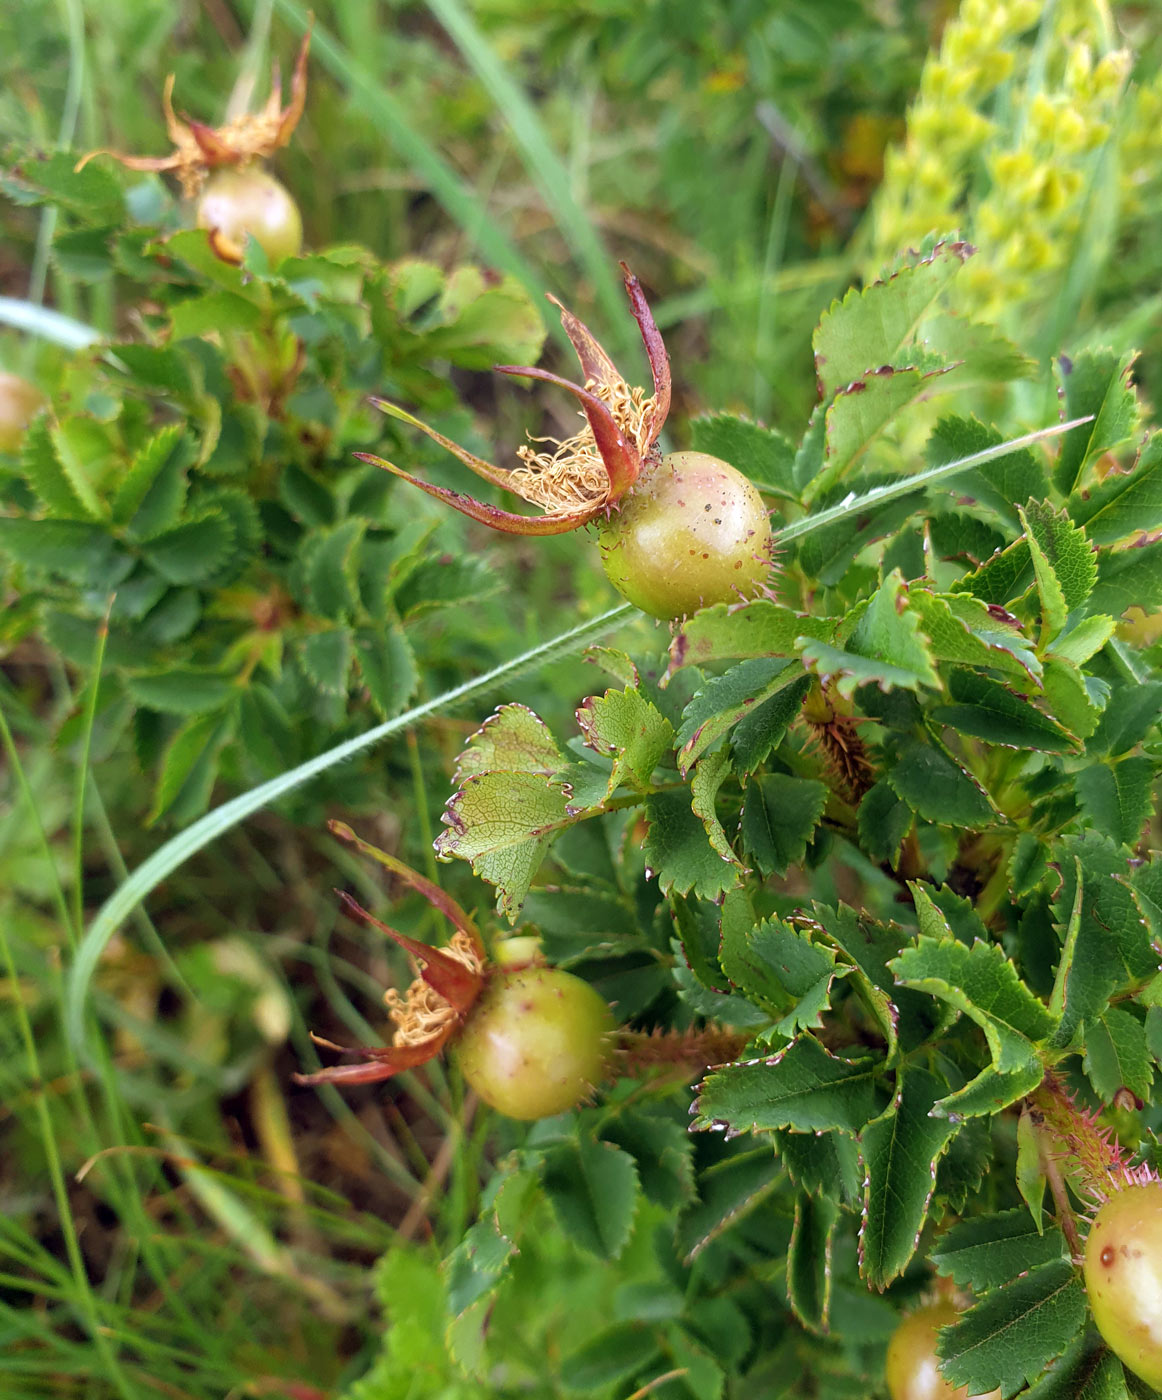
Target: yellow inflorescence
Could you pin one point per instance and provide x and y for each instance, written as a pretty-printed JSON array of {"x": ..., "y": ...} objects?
[
  {"x": 1005, "y": 141},
  {"x": 573, "y": 474}
]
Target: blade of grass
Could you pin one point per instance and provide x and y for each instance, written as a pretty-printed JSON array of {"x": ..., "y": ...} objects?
[
  {"x": 186, "y": 843},
  {"x": 547, "y": 171}
]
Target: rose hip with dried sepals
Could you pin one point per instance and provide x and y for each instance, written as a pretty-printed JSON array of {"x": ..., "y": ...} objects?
[{"x": 677, "y": 532}]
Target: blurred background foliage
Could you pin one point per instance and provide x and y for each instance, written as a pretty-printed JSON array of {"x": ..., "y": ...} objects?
[{"x": 172, "y": 1220}]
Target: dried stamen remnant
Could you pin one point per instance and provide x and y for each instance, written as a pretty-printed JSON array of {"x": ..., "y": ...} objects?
[{"x": 422, "y": 1013}]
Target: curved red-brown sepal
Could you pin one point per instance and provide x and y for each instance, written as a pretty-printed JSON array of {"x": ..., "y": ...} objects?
[
  {"x": 595, "y": 363},
  {"x": 430, "y": 891},
  {"x": 488, "y": 515},
  {"x": 298, "y": 92},
  {"x": 457, "y": 983},
  {"x": 655, "y": 351},
  {"x": 385, "y": 1061},
  {"x": 621, "y": 459},
  {"x": 485, "y": 470}
]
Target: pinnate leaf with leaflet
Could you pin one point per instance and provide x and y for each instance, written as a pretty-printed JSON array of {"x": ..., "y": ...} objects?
[
  {"x": 709, "y": 775},
  {"x": 1015, "y": 1330},
  {"x": 1109, "y": 948},
  {"x": 727, "y": 1191},
  {"x": 900, "y": 1151},
  {"x": 1127, "y": 578},
  {"x": 625, "y": 726},
  {"x": 77, "y": 550},
  {"x": 1132, "y": 712},
  {"x": 988, "y": 1251},
  {"x": 803, "y": 1087},
  {"x": 1117, "y": 798},
  {"x": 387, "y": 667},
  {"x": 1084, "y": 1372},
  {"x": 1064, "y": 563},
  {"x": 64, "y": 491},
  {"x": 1117, "y": 1055},
  {"x": 860, "y": 412},
  {"x": 884, "y": 820},
  {"x": 1002, "y": 484},
  {"x": 822, "y": 1163},
  {"x": 886, "y": 646},
  {"x": 960, "y": 628},
  {"x": 733, "y": 632},
  {"x": 1097, "y": 382},
  {"x": 761, "y": 730}
]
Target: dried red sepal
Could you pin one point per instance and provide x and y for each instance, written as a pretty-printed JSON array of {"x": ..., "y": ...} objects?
[
  {"x": 384, "y": 1061},
  {"x": 622, "y": 428},
  {"x": 450, "y": 978}
]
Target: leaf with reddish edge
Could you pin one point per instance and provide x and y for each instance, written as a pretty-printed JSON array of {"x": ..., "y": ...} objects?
[
  {"x": 485, "y": 514},
  {"x": 457, "y": 984},
  {"x": 621, "y": 459},
  {"x": 431, "y": 892},
  {"x": 386, "y": 1062},
  {"x": 655, "y": 351}
]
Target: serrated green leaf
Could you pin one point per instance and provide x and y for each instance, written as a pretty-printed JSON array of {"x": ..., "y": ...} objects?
[
  {"x": 443, "y": 582},
  {"x": 182, "y": 691},
  {"x": 1111, "y": 948},
  {"x": 327, "y": 659},
  {"x": 1001, "y": 484},
  {"x": 775, "y": 964},
  {"x": 988, "y": 710},
  {"x": 727, "y": 1192},
  {"x": 1010, "y": 1336},
  {"x": 1131, "y": 714},
  {"x": 266, "y": 730},
  {"x": 189, "y": 768},
  {"x": 75, "y": 549},
  {"x": 709, "y": 775},
  {"x": 511, "y": 739},
  {"x": 1127, "y": 577},
  {"x": 803, "y": 1087},
  {"x": 761, "y": 730},
  {"x": 1064, "y": 563},
  {"x": 1031, "y": 1180},
  {"x": 1125, "y": 503},
  {"x": 625, "y": 726},
  {"x": 869, "y": 327},
  {"x": 900, "y": 1151},
  {"x": 809, "y": 1260},
  {"x": 980, "y": 982},
  {"x": 730, "y": 632},
  {"x": 593, "y": 1187},
  {"x": 1028, "y": 864},
  {"x": 992, "y": 1091},
  {"x": 822, "y": 1163},
  {"x": 828, "y": 552},
  {"x": 1117, "y": 1055},
  {"x": 476, "y": 1265},
  {"x": 961, "y": 628},
  {"x": 65, "y": 495},
  {"x": 1084, "y": 1372},
  {"x": 958, "y": 535},
  {"x": 387, "y": 667},
  {"x": 306, "y": 498},
  {"x": 214, "y": 311},
  {"x": 1082, "y": 640},
  {"x": 1117, "y": 798},
  {"x": 726, "y": 699},
  {"x": 939, "y": 789},
  {"x": 762, "y": 454},
  {"x": 503, "y": 823},
  {"x": 193, "y": 551},
  {"x": 1097, "y": 382},
  {"x": 679, "y": 852},
  {"x": 1004, "y": 578},
  {"x": 859, "y": 414},
  {"x": 332, "y": 569},
  {"x": 662, "y": 1150},
  {"x": 884, "y": 820},
  {"x": 92, "y": 194},
  {"x": 1073, "y": 696},
  {"x": 990, "y": 1250},
  {"x": 779, "y": 815},
  {"x": 156, "y": 457}
]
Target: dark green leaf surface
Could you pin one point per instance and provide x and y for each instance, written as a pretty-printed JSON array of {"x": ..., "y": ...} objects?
[
  {"x": 1011, "y": 1334},
  {"x": 1117, "y": 1055},
  {"x": 779, "y": 815},
  {"x": 762, "y": 454},
  {"x": 809, "y": 1260},
  {"x": 593, "y": 1187},
  {"x": 678, "y": 850},
  {"x": 804, "y": 1087},
  {"x": 1097, "y": 382},
  {"x": 990, "y": 1250},
  {"x": 900, "y": 1150},
  {"x": 938, "y": 789},
  {"x": 1125, "y": 502}
]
